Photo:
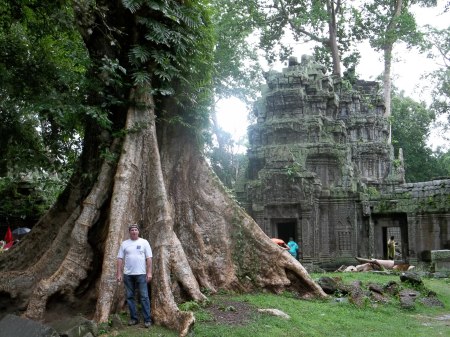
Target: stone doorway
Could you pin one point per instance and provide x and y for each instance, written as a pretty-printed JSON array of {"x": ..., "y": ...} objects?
[
  {"x": 391, "y": 225},
  {"x": 397, "y": 234},
  {"x": 284, "y": 229}
]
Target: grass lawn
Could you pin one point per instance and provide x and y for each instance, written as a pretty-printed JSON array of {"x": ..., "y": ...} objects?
[{"x": 237, "y": 315}]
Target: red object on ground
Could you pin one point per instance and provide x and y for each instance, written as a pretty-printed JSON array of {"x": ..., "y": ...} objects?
[
  {"x": 8, "y": 236},
  {"x": 8, "y": 245}
]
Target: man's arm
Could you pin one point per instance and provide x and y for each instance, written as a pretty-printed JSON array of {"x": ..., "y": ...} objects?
[
  {"x": 119, "y": 270},
  {"x": 148, "y": 263}
]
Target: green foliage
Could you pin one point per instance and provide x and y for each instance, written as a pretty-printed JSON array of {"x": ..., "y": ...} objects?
[
  {"x": 373, "y": 191},
  {"x": 411, "y": 123},
  {"x": 385, "y": 24},
  {"x": 237, "y": 71},
  {"x": 311, "y": 21},
  {"x": 224, "y": 157},
  {"x": 294, "y": 170},
  {"x": 438, "y": 48},
  {"x": 319, "y": 317},
  {"x": 189, "y": 306},
  {"x": 176, "y": 55},
  {"x": 28, "y": 198},
  {"x": 42, "y": 86},
  {"x": 42, "y": 66}
]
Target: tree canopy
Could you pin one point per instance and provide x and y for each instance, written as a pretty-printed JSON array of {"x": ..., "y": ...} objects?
[{"x": 411, "y": 123}]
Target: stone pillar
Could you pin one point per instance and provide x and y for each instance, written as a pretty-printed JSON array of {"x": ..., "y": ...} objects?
[
  {"x": 436, "y": 237},
  {"x": 308, "y": 236},
  {"x": 371, "y": 237},
  {"x": 324, "y": 233},
  {"x": 412, "y": 243}
]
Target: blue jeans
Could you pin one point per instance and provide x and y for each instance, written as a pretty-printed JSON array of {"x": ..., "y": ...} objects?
[{"x": 133, "y": 282}]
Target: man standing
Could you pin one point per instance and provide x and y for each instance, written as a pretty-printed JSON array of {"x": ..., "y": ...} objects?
[
  {"x": 293, "y": 248},
  {"x": 134, "y": 266},
  {"x": 391, "y": 248}
]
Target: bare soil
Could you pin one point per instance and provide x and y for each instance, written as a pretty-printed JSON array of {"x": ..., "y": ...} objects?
[{"x": 231, "y": 312}]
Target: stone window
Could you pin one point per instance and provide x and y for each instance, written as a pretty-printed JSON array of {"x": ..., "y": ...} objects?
[{"x": 344, "y": 240}]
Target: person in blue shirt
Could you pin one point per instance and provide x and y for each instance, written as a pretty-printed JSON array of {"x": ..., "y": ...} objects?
[{"x": 293, "y": 248}]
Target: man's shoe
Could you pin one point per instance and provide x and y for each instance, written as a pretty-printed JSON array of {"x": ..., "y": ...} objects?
[
  {"x": 133, "y": 322},
  {"x": 148, "y": 324}
]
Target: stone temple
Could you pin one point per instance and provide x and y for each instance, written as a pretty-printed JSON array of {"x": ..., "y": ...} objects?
[{"x": 321, "y": 168}]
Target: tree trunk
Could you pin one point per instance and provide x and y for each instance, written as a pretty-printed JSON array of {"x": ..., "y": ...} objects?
[
  {"x": 332, "y": 27},
  {"x": 390, "y": 39},
  {"x": 387, "y": 84},
  {"x": 201, "y": 239}
]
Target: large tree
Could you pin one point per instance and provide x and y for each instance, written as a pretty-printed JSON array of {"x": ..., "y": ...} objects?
[
  {"x": 388, "y": 22},
  {"x": 332, "y": 26},
  {"x": 438, "y": 46},
  {"x": 150, "y": 74},
  {"x": 411, "y": 123},
  {"x": 42, "y": 64}
]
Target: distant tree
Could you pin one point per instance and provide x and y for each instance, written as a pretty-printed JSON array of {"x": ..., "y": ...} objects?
[
  {"x": 411, "y": 123},
  {"x": 42, "y": 65},
  {"x": 443, "y": 163},
  {"x": 42, "y": 105},
  {"x": 236, "y": 73},
  {"x": 328, "y": 23},
  {"x": 237, "y": 70},
  {"x": 438, "y": 46},
  {"x": 387, "y": 22},
  {"x": 226, "y": 158}
]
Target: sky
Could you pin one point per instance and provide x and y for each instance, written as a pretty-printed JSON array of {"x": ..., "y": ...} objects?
[{"x": 407, "y": 70}]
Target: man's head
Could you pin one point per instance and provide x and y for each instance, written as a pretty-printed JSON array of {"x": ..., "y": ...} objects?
[{"x": 133, "y": 229}]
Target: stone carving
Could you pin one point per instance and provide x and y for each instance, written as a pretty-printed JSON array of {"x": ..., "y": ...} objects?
[{"x": 322, "y": 169}]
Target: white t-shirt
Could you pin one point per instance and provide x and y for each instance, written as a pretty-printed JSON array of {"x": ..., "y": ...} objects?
[{"x": 134, "y": 253}]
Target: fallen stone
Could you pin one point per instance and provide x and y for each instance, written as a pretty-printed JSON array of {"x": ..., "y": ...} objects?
[
  {"x": 356, "y": 294},
  {"x": 408, "y": 298},
  {"x": 431, "y": 302},
  {"x": 341, "y": 268},
  {"x": 377, "y": 288},
  {"x": 341, "y": 299},
  {"x": 440, "y": 260},
  {"x": 275, "y": 312},
  {"x": 412, "y": 278},
  {"x": 392, "y": 288},
  {"x": 402, "y": 267},
  {"x": 328, "y": 284},
  {"x": 378, "y": 298},
  {"x": 15, "y": 326},
  {"x": 364, "y": 267},
  {"x": 76, "y": 326},
  {"x": 441, "y": 274},
  {"x": 116, "y": 322}
]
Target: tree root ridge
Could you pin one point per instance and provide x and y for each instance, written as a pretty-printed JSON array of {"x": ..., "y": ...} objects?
[{"x": 76, "y": 263}]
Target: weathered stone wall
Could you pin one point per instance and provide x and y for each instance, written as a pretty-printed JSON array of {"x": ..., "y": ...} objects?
[
  {"x": 322, "y": 170},
  {"x": 425, "y": 208}
]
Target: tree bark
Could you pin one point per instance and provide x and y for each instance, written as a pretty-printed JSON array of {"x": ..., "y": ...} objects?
[
  {"x": 390, "y": 39},
  {"x": 333, "y": 45},
  {"x": 201, "y": 239}
]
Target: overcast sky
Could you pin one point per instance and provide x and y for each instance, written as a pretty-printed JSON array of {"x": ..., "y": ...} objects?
[{"x": 407, "y": 70}]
